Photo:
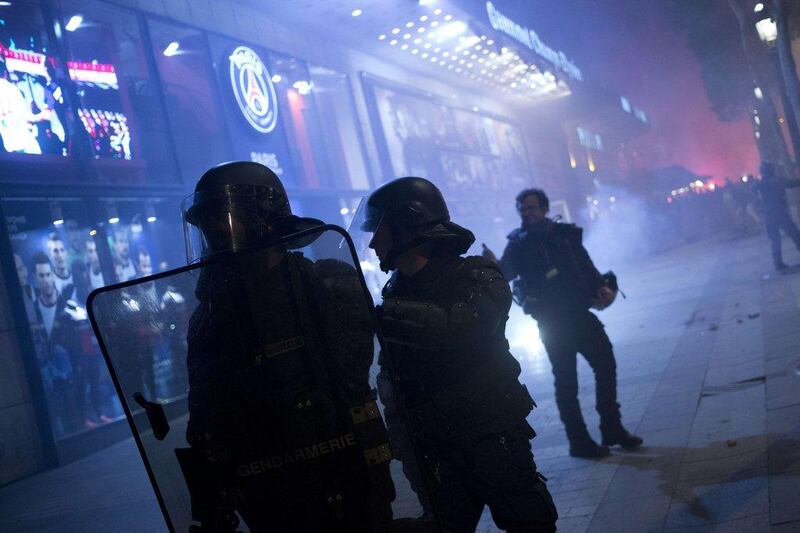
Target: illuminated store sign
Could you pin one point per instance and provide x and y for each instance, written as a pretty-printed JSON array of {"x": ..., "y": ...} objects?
[
  {"x": 530, "y": 39},
  {"x": 252, "y": 86}
]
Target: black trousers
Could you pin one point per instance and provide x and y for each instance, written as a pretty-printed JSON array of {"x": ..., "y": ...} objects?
[
  {"x": 777, "y": 221},
  {"x": 563, "y": 339},
  {"x": 497, "y": 472}
]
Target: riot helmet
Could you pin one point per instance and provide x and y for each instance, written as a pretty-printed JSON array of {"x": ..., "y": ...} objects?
[
  {"x": 237, "y": 205},
  {"x": 414, "y": 211}
]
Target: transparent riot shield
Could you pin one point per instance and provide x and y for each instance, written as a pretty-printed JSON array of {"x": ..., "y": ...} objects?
[{"x": 249, "y": 381}]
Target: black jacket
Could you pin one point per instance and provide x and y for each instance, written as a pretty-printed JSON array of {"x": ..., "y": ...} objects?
[
  {"x": 445, "y": 331},
  {"x": 557, "y": 278},
  {"x": 263, "y": 342}
]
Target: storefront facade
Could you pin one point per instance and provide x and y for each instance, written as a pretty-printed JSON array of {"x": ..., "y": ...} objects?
[{"x": 112, "y": 110}]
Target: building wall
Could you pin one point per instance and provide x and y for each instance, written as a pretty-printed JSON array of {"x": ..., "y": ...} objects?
[
  {"x": 257, "y": 27},
  {"x": 20, "y": 442}
]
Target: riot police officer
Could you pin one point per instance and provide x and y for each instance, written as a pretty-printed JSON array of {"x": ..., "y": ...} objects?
[
  {"x": 443, "y": 317},
  {"x": 281, "y": 425},
  {"x": 557, "y": 285}
]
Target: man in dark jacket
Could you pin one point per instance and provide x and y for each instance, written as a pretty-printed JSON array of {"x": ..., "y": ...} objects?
[
  {"x": 772, "y": 189},
  {"x": 444, "y": 318},
  {"x": 557, "y": 285}
]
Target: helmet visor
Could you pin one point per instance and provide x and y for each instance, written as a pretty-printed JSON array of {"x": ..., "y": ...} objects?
[{"x": 230, "y": 218}]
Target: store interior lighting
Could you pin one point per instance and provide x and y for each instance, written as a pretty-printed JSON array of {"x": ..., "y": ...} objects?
[
  {"x": 5, "y": 4},
  {"x": 113, "y": 214},
  {"x": 56, "y": 214},
  {"x": 150, "y": 212},
  {"x": 172, "y": 49},
  {"x": 74, "y": 23},
  {"x": 303, "y": 87},
  {"x": 356, "y": 13}
]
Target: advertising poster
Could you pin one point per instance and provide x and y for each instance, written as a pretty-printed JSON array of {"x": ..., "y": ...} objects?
[{"x": 455, "y": 148}]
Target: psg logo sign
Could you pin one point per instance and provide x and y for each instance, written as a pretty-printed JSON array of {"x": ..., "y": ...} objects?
[{"x": 253, "y": 89}]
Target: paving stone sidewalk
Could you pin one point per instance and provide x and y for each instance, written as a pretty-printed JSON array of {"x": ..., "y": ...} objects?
[{"x": 708, "y": 351}]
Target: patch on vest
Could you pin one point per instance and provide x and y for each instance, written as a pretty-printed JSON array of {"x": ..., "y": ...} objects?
[{"x": 277, "y": 348}]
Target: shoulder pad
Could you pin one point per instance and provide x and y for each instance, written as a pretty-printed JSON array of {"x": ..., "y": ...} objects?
[{"x": 481, "y": 269}]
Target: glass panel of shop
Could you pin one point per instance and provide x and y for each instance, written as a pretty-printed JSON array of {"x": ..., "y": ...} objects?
[
  {"x": 37, "y": 131},
  {"x": 119, "y": 102},
  {"x": 55, "y": 252},
  {"x": 190, "y": 96}
]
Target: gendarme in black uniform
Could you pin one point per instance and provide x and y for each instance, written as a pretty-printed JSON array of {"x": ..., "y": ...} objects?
[
  {"x": 445, "y": 329},
  {"x": 279, "y": 350},
  {"x": 557, "y": 285}
]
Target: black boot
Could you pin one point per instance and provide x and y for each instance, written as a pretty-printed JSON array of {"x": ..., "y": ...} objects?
[
  {"x": 587, "y": 448},
  {"x": 581, "y": 444},
  {"x": 617, "y": 434}
]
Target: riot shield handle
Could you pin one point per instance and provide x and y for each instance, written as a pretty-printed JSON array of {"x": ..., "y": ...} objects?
[{"x": 155, "y": 415}]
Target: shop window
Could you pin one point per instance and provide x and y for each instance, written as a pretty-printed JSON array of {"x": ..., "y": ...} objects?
[
  {"x": 455, "y": 148},
  {"x": 119, "y": 105},
  {"x": 332, "y": 93},
  {"x": 191, "y": 100},
  {"x": 56, "y": 257},
  {"x": 145, "y": 237},
  {"x": 35, "y": 122},
  {"x": 250, "y": 88}
]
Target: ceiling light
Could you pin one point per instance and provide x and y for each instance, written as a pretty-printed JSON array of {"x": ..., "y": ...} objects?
[
  {"x": 356, "y": 12},
  {"x": 407, "y": 36},
  {"x": 409, "y": 24},
  {"x": 434, "y": 23},
  {"x": 404, "y": 47},
  {"x": 448, "y": 17},
  {"x": 420, "y": 30},
  {"x": 425, "y": 55},
  {"x": 74, "y": 23},
  {"x": 276, "y": 78},
  {"x": 393, "y": 42},
  {"x": 438, "y": 11},
  {"x": 423, "y": 18},
  {"x": 395, "y": 31},
  {"x": 171, "y": 49},
  {"x": 382, "y": 36}
]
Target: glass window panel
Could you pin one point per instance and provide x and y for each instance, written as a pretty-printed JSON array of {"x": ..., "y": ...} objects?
[
  {"x": 184, "y": 66},
  {"x": 334, "y": 100},
  {"x": 119, "y": 105},
  {"x": 57, "y": 266},
  {"x": 35, "y": 119}
]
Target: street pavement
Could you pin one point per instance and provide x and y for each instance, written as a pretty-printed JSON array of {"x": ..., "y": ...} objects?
[{"x": 708, "y": 356}]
